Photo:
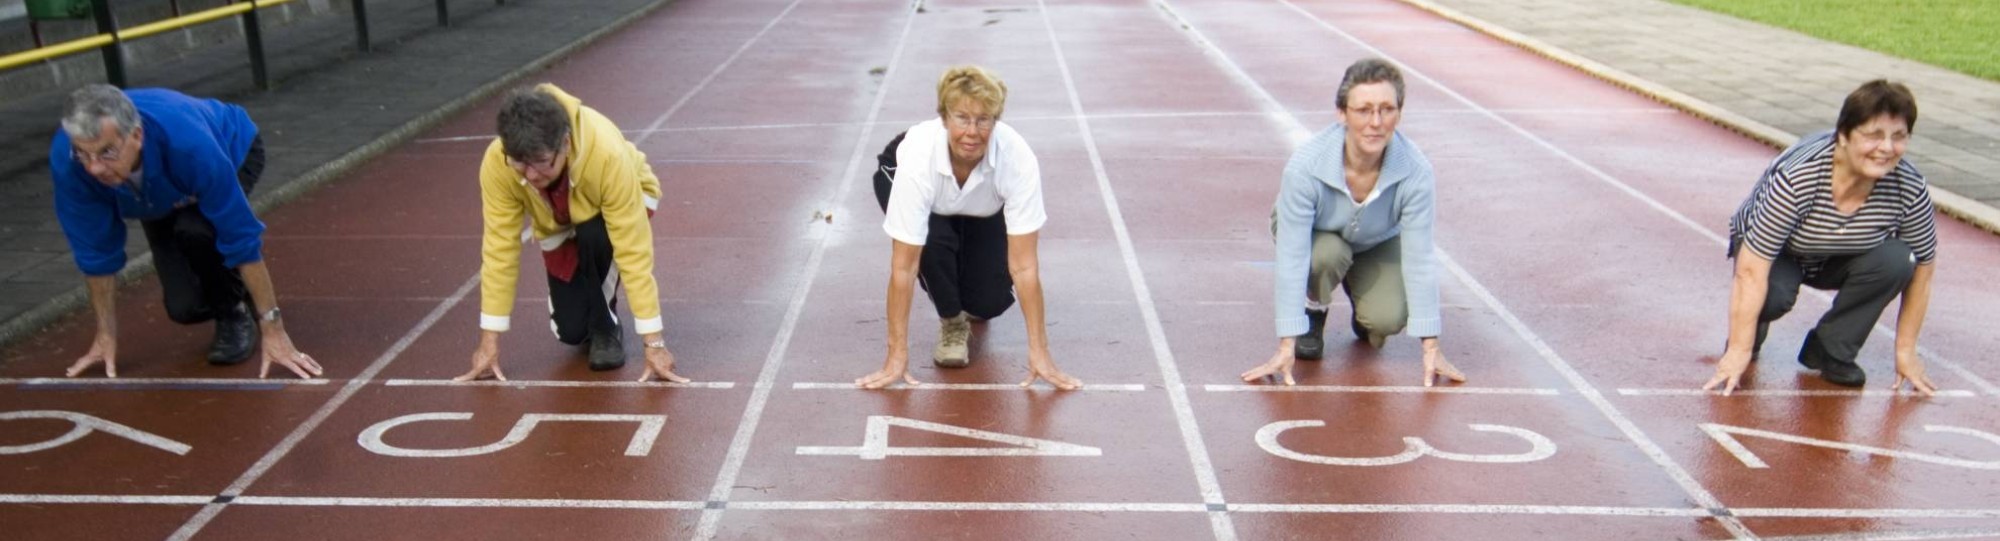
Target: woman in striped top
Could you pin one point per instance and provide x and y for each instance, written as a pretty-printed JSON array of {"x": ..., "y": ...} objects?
[{"x": 1843, "y": 211}]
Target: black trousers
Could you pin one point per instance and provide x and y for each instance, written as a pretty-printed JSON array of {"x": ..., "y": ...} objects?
[
  {"x": 1865, "y": 284},
  {"x": 194, "y": 282},
  {"x": 964, "y": 263},
  {"x": 588, "y": 302}
]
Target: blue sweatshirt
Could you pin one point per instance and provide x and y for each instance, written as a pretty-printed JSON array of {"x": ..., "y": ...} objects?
[
  {"x": 1313, "y": 196},
  {"x": 192, "y": 149}
]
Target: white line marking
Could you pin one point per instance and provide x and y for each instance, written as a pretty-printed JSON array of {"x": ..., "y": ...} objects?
[
  {"x": 760, "y": 395},
  {"x": 1163, "y": 355},
  {"x": 1105, "y": 387},
  {"x": 525, "y": 384},
  {"x": 1897, "y": 535},
  {"x": 1985, "y": 386},
  {"x": 654, "y": 127},
  {"x": 468, "y": 502},
  {"x": 1298, "y": 133},
  {"x": 83, "y": 425},
  {"x": 643, "y": 437},
  {"x": 1539, "y": 447},
  {"x": 195, "y": 524},
  {"x": 1471, "y": 509},
  {"x": 1800, "y": 512},
  {"x": 1085, "y": 507},
  {"x": 155, "y": 382},
  {"x": 1219, "y": 388},
  {"x": 103, "y": 499},
  {"x": 1861, "y": 393}
]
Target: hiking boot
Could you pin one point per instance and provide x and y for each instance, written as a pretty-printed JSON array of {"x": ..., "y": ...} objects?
[
  {"x": 235, "y": 337},
  {"x": 953, "y": 332},
  {"x": 607, "y": 349},
  {"x": 1311, "y": 346}
]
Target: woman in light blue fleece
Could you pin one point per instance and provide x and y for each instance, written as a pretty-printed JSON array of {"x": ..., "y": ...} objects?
[{"x": 1356, "y": 207}]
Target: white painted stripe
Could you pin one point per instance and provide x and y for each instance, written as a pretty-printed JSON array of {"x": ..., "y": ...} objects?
[
  {"x": 104, "y": 499},
  {"x": 176, "y": 382},
  {"x": 767, "y": 377},
  {"x": 271, "y": 458},
  {"x": 82, "y": 424},
  {"x": 1073, "y": 507},
  {"x": 1383, "y": 389},
  {"x": 524, "y": 384},
  {"x": 1801, "y": 512},
  {"x": 1191, "y": 439},
  {"x": 1717, "y": 238},
  {"x": 1471, "y": 509},
  {"x": 1897, "y": 535},
  {"x": 1297, "y": 133},
  {"x": 654, "y": 127},
  {"x": 484, "y": 503},
  {"x": 1105, "y": 387},
  {"x": 1856, "y": 393}
]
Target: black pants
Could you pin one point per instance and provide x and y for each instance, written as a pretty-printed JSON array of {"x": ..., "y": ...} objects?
[
  {"x": 588, "y": 302},
  {"x": 964, "y": 263},
  {"x": 1865, "y": 284},
  {"x": 197, "y": 286}
]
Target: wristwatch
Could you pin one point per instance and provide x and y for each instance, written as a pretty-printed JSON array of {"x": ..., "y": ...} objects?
[
  {"x": 657, "y": 344},
  {"x": 270, "y": 315}
]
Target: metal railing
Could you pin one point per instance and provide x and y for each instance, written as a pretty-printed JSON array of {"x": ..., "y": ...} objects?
[{"x": 109, "y": 36}]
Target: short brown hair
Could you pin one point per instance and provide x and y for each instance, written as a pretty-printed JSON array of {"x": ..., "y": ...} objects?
[
  {"x": 1366, "y": 71},
  {"x": 975, "y": 83},
  {"x": 1876, "y": 98},
  {"x": 532, "y": 123}
]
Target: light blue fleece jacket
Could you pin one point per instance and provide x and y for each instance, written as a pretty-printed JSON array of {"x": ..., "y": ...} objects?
[{"x": 1313, "y": 195}]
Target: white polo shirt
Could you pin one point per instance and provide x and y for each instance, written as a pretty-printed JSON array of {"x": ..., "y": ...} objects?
[{"x": 1008, "y": 178}]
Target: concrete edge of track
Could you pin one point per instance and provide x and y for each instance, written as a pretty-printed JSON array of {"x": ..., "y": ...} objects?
[
  {"x": 1963, "y": 208},
  {"x": 62, "y": 304}
]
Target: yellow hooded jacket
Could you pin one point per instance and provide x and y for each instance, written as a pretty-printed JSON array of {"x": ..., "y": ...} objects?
[{"x": 608, "y": 176}]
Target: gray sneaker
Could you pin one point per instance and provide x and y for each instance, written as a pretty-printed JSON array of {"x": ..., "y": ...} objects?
[{"x": 952, "y": 335}]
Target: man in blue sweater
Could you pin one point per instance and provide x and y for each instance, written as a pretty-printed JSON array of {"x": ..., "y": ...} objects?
[{"x": 182, "y": 167}]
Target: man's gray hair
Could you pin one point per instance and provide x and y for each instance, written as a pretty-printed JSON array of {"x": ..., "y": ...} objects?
[
  {"x": 90, "y": 105},
  {"x": 1366, "y": 71}
]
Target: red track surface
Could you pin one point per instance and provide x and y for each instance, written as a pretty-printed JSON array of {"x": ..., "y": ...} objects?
[{"x": 1580, "y": 222}]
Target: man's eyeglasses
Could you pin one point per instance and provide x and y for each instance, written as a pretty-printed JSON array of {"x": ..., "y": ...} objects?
[
  {"x": 109, "y": 155},
  {"x": 545, "y": 166},
  {"x": 1384, "y": 111}
]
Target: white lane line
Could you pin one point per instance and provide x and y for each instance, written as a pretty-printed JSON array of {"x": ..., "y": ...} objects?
[
  {"x": 104, "y": 499},
  {"x": 1472, "y": 509},
  {"x": 1214, "y": 388},
  {"x": 1803, "y": 512},
  {"x": 654, "y": 127},
  {"x": 195, "y": 524},
  {"x": 760, "y": 395},
  {"x": 1815, "y": 393},
  {"x": 483, "y": 503},
  {"x": 194, "y": 383},
  {"x": 1102, "y": 387},
  {"x": 1084, "y": 507},
  {"x": 1204, "y": 468},
  {"x": 1897, "y": 535},
  {"x": 1984, "y": 386},
  {"x": 525, "y": 384},
  {"x": 1297, "y": 133}
]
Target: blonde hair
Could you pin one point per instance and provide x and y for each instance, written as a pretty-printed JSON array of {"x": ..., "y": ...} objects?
[{"x": 974, "y": 83}]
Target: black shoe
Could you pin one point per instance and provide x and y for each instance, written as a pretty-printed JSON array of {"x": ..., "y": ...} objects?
[
  {"x": 607, "y": 349},
  {"x": 1842, "y": 374},
  {"x": 1312, "y": 345},
  {"x": 235, "y": 337}
]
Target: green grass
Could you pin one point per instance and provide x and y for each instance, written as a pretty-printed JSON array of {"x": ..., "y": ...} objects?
[{"x": 1961, "y": 35}]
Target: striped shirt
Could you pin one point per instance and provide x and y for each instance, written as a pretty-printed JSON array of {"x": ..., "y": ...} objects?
[{"x": 1791, "y": 210}]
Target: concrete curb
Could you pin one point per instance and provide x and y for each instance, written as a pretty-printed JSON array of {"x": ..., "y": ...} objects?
[
  {"x": 62, "y": 304},
  {"x": 1963, "y": 208}
]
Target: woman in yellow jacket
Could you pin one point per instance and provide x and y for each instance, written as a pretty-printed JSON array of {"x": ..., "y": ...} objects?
[{"x": 588, "y": 193}]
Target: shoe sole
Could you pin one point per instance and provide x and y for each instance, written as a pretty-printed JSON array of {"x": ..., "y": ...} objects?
[{"x": 951, "y": 363}]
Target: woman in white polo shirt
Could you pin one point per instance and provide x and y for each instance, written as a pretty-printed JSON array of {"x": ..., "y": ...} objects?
[{"x": 964, "y": 209}]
